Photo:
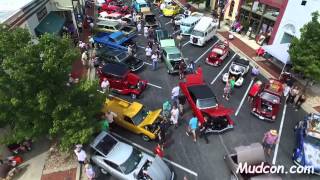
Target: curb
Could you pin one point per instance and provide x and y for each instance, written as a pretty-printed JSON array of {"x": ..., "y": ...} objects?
[{"x": 78, "y": 174}]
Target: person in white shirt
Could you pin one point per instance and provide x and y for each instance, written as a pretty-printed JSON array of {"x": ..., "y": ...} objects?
[
  {"x": 139, "y": 26},
  {"x": 81, "y": 154},
  {"x": 145, "y": 31},
  {"x": 105, "y": 85},
  {"x": 110, "y": 116},
  {"x": 175, "y": 94},
  {"x": 154, "y": 58},
  {"x": 174, "y": 116},
  {"x": 162, "y": 6},
  {"x": 84, "y": 58},
  {"x": 148, "y": 52},
  {"x": 90, "y": 172},
  {"x": 286, "y": 91}
]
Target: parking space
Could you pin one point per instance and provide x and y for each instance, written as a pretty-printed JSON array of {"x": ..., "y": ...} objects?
[{"x": 206, "y": 160}]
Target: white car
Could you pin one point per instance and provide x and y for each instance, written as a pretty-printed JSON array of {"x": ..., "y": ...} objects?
[
  {"x": 178, "y": 18},
  {"x": 125, "y": 162},
  {"x": 238, "y": 68}
]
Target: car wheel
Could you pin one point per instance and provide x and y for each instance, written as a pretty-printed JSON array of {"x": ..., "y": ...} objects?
[
  {"x": 145, "y": 138},
  {"x": 103, "y": 171},
  {"x": 133, "y": 96}
]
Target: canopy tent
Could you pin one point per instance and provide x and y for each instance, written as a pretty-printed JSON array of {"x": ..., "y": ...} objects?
[
  {"x": 52, "y": 23},
  {"x": 280, "y": 52}
]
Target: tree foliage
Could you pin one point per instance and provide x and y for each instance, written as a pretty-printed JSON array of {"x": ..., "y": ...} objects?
[
  {"x": 305, "y": 52},
  {"x": 34, "y": 98}
]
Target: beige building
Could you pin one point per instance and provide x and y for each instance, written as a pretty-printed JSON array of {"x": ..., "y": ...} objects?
[{"x": 230, "y": 11}]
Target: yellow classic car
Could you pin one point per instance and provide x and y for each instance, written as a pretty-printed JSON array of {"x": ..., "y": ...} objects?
[
  {"x": 134, "y": 117},
  {"x": 171, "y": 10}
]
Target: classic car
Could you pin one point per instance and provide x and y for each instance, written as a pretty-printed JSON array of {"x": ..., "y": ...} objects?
[
  {"x": 121, "y": 80},
  {"x": 110, "y": 55},
  {"x": 266, "y": 103},
  {"x": 109, "y": 8},
  {"x": 150, "y": 19},
  {"x": 116, "y": 40},
  {"x": 125, "y": 162},
  {"x": 161, "y": 34},
  {"x": 171, "y": 55},
  {"x": 114, "y": 26},
  {"x": 253, "y": 155},
  {"x": 188, "y": 23},
  {"x": 135, "y": 117},
  {"x": 171, "y": 10},
  {"x": 203, "y": 102},
  {"x": 218, "y": 54},
  {"x": 118, "y": 17},
  {"x": 238, "y": 68},
  {"x": 307, "y": 151},
  {"x": 179, "y": 17},
  {"x": 139, "y": 4}
]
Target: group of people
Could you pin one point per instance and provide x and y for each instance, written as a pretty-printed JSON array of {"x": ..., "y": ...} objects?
[
  {"x": 83, "y": 160},
  {"x": 228, "y": 88},
  {"x": 294, "y": 95}
]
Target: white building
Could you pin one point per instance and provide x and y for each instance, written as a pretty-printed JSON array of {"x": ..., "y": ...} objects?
[
  {"x": 297, "y": 14},
  {"x": 40, "y": 16}
]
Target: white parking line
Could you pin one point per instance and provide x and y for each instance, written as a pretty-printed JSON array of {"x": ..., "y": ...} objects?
[
  {"x": 185, "y": 44},
  {"x": 280, "y": 131},
  {"x": 244, "y": 97},
  {"x": 214, "y": 80},
  {"x": 151, "y": 153},
  {"x": 141, "y": 47},
  {"x": 155, "y": 85},
  {"x": 168, "y": 23},
  {"x": 206, "y": 52}
]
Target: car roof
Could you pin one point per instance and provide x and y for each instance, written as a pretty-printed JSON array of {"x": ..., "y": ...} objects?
[
  {"x": 171, "y": 50},
  {"x": 241, "y": 61},
  {"x": 252, "y": 154},
  {"x": 104, "y": 143},
  {"x": 115, "y": 69},
  {"x": 201, "y": 91},
  {"x": 190, "y": 19},
  {"x": 116, "y": 34},
  {"x": 120, "y": 153},
  {"x": 203, "y": 24},
  {"x": 107, "y": 22},
  {"x": 109, "y": 51}
]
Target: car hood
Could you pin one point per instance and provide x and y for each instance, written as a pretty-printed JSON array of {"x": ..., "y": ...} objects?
[
  {"x": 131, "y": 61},
  {"x": 159, "y": 170},
  {"x": 218, "y": 111},
  {"x": 312, "y": 155},
  {"x": 151, "y": 118}
]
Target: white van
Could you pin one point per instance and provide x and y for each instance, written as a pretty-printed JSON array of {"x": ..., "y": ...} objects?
[{"x": 204, "y": 30}]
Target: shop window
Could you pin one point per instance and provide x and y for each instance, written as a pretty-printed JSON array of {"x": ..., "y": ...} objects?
[
  {"x": 286, "y": 38},
  {"x": 231, "y": 8}
]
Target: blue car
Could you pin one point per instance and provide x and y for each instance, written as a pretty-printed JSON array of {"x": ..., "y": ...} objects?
[
  {"x": 116, "y": 40},
  {"x": 307, "y": 151},
  {"x": 138, "y": 4}
]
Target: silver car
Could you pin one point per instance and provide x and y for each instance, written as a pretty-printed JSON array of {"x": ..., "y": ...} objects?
[
  {"x": 253, "y": 155},
  {"x": 125, "y": 162}
]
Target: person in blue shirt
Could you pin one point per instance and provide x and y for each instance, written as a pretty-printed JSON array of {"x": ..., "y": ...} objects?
[{"x": 193, "y": 125}]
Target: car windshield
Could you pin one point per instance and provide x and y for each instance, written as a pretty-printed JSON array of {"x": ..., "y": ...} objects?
[
  {"x": 186, "y": 24},
  {"x": 118, "y": 38},
  {"x": 132, "y": 162},
  {"x": 140, "y": 116},
  {"x": 197, "y": 33},
  {"x": 122, "y": 56},
  {"x": 175, "y": 56},
  {"x": 206, "y": 103},
  {"x": 312, "y": 140},
  {"x": 270, "y": 97}
]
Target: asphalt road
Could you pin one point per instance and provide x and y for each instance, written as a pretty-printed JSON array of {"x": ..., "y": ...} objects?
[{"x": 206, "y": 160}]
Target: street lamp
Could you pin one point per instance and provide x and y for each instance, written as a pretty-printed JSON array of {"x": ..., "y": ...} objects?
[{"x": 221, "y": 5}]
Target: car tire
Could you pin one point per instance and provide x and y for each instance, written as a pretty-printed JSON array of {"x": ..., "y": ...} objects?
[
  {"x": 145, "y": 138},
  {"x": 133, "y": 96}
]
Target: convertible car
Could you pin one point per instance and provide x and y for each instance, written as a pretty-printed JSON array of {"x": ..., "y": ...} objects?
[
  {"x": 238, "y": 68},
  {"x": 203, "y": 102},
  {"x": 218, "y": 54},
  {"x": 307, "y": 151},
  {"x": 266, "y": 102},
  {"x": 134, "y": 117},
  {"x": 121, "y": 80}
]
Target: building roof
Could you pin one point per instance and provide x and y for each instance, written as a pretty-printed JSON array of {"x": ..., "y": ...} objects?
[{"x": 9, "y": 8}]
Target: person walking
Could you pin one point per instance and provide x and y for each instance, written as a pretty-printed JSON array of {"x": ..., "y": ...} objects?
[
  {"x": 154, "y": 58},
  {"x": 162, "y": 135},
  {"x": 301, "y": 99},
  {"x": 292, "y": 94},
  {"x": 130, "y": 50},
  {"x": 166, "y": 109},
  {"x": 179, "y": 39},
  {"x": 270, "y": 138},
  {"x": 90, "y": 172},
  {"x": 84, "y": 58},
  {"x": 255, "y": 72},
  {"x": 145, "y": 32},
  {"x": 182, "y": 68},
  {"x": 139, "y": 26},
  {"x": 175, "y": 92},
  {"x": 105, "y": 85},
  {"x": 110, "y": 116},
  {"x": 203, "y": 128},
  {"x": 226, "y": 91},
  {"x": 81, "y": 154},
  {"x": 192, "y": 127},
  {"x": 286, "y": 91},
  {"x": 174, "y": 116},
  {"x": 191, "y": 67},
  {"x": 148, "y": 52},
  {"x": 105, "y": 126},
  {"x": 232, "y": 82}
]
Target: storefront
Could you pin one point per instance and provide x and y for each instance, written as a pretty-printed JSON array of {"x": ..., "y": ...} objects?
[{"x": 260, "y": 19}]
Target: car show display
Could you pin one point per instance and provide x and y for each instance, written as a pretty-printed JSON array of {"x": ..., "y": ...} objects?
[
  {"x": 116, "y": 40},
  {"x": 237, "y": 70},
  {"x": 203, "y": 31},
  {"x": 218, "y": 54},
  {"x": 121, "y": 80}
]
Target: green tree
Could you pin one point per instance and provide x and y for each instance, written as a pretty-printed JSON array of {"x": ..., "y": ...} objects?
[
  {"x": 305, "y": 52},
  {"x": 33, "y": 89}
]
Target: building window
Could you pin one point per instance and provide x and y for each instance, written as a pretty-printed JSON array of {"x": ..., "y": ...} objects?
[{"x": 231, "y": 8}]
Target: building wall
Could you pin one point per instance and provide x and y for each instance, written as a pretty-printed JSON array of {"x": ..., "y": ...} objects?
[
  {"x": 295, "y": 16},
  {"x": 235, "y": 10}
]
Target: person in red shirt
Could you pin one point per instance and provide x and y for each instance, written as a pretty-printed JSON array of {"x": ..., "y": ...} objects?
[
  {"x": 254, "y": 90},
  {"x": 159, "y": 151}
]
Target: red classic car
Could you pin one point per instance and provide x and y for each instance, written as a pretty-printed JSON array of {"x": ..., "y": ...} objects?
[
  {"x": 266, "y": 103},
  {"x": 218, "y": 53},
  {"x": 112, "y": 8},
  {"x": 122, "y": 80},
  {"x": 204, "y": 103}
]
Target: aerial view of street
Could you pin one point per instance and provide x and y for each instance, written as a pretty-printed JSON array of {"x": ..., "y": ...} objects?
[{"x": 159, "y": 90}]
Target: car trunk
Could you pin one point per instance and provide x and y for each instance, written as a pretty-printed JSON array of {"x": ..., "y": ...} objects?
[{"x": 175, "y": 64}]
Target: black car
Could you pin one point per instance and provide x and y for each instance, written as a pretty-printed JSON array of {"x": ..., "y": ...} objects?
[{"x": 109, "y": 55}]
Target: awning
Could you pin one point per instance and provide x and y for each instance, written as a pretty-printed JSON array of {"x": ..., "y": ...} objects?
[
  {"x": 52, "y": 24},
  {"x": 279, "y": 51}
]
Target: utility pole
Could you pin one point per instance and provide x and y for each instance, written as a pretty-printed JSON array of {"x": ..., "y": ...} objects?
[{"x": 221, "y": 6}]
